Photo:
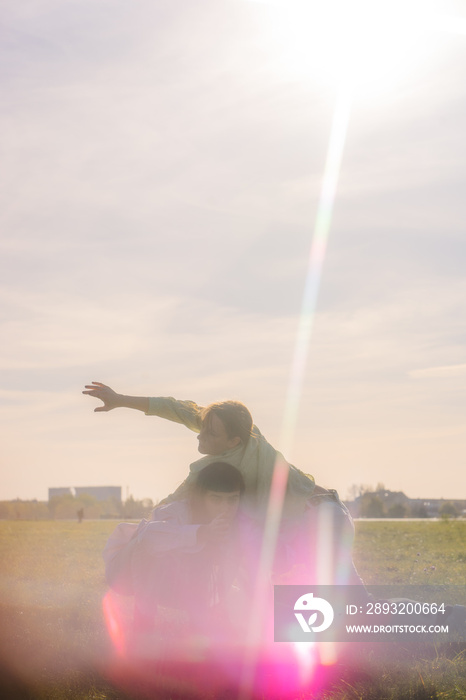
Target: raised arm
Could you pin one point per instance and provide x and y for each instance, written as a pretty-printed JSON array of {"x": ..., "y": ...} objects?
[
  {"x": 113, "y": 400},
  {"x": 187, "y": 413}
]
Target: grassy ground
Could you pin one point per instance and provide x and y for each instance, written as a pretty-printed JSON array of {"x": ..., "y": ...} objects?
[
  {"x": 416, "y": 553},
  {"x": 413, "y": 553},
  {"x": 53, "y": 643},
  {"x": 51, "y": 588}
]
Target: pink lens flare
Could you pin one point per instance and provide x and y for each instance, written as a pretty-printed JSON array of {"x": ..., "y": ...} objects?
[
  {"x": 176, "y": 657},
  {"x": 114, "y": 623}
]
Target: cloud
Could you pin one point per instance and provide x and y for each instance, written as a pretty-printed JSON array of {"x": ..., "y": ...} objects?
[
  {"x": 439, "y": 372},
  {"x": 46, "y": 333},
  {"x": 161, "y": 179}
]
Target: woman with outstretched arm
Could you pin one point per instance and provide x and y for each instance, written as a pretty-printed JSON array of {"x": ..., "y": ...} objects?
[{"x": 225, "y": 429}]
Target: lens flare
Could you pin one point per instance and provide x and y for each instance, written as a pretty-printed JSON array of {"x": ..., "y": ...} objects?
[
  {"x": 258, "y": 622},
  {"x": 369, "y": 45},
  {"x": 305, "y": 654},
  {"x": 114, "y": 623},
  {"x": 315, "y": 265}
]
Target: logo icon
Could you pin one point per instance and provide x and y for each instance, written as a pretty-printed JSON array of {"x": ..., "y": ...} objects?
[{"x": 307, "y": 603}]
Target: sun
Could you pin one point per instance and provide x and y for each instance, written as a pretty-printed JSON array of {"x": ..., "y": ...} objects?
[{"x": 354, "y": 43}]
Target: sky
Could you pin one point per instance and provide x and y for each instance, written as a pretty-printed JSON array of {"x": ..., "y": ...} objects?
[{"x": 162, "y": 171}]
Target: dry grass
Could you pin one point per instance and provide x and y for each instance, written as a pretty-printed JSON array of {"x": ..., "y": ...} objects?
[{"x": 54, "y": 644}]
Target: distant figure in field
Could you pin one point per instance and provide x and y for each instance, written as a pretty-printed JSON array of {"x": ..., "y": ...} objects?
[
  {"x": 194, "y": 554},
  {"x": 80, "y": 514},
  {"x": 316, "y": 533}
]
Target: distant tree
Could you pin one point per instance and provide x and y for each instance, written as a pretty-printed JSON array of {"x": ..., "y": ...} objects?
[
  {"x": 87, "y": 499},
  {"x": 111, "y": 508},
  {"x": 6, "y": 510},
  {"x": 91, "y": 507},
  {"x": 448, "y": 510},
  {"x": 397, "y": 510},
  {"x": 36, "y": 510},
  {"x": 53, "y": 505},
  {"x": 134, "y": 509},
  {"x": 65, "y": 506},
  {"x": 354, "y": 491},
  {"x": 419, "y": 511},
  {"x": 371, "y": 506}
]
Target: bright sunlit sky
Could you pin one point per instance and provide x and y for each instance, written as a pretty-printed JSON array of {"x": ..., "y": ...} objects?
[{"x": 162, "y": 166}]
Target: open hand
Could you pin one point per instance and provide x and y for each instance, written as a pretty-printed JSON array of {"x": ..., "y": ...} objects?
[{"x": 100, "y": 391}]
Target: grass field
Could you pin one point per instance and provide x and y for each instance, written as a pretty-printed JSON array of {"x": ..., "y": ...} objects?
[{"x": 54, "y": 644}]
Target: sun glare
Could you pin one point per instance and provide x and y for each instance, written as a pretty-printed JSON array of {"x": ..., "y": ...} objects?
[{"x": 356, "y": 43}]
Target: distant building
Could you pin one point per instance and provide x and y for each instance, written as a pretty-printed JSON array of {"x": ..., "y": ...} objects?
[
  {"x": 100, "y": 493},
  {"x": 61, "y": 491},
  {"x": 397, "y": 504}
]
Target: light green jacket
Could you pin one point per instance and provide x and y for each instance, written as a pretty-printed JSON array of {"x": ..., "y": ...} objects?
[{"x": 255, "y": 460}]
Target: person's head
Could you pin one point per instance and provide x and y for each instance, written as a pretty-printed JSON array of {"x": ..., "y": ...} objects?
[
  {"x": 225, "y": 425},
  {"x": 217, "y": 491}
]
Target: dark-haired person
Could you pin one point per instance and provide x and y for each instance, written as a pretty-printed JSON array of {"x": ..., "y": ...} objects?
[
  {"x": 194, "y": 554},
  {"x": 316, "y": 531}
]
